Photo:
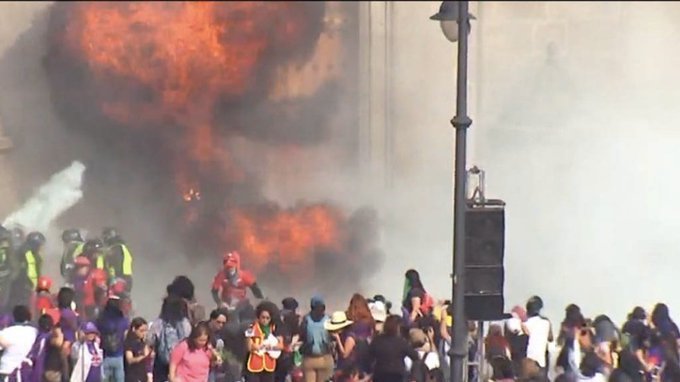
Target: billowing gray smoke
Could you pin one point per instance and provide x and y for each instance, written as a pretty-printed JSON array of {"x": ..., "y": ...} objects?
[{"x": 131, "y": 180}]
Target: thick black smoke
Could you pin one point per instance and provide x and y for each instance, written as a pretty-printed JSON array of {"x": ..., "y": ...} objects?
[{"x": 123, "y": 156}]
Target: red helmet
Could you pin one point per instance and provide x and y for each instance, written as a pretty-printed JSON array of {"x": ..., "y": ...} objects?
[
  {"x": 44, "y": 283},
  {"x": 231, "y": 259},
  {"x": 82, "y": 261}
]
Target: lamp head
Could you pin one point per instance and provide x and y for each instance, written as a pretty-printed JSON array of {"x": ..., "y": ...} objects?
[{"x": 448, "y": 19}]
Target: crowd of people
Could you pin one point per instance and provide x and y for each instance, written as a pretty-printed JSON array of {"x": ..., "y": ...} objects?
[{"x": 88, "y": 335}]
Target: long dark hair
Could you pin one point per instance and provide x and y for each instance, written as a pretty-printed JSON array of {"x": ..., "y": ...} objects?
[
  {"x": 65, "y": 297},
  {"x": 45, "y": 323},
  {"x": 173, "y": 310},
  {"x": 135, "y": 324},
  {"x": 197, "y": 331},
  {"x": 112, "y": 310},
  {"x": 392, "y": 326},
  {"x": 411, "y": 280},
  {"x": 660, "y": 315}
]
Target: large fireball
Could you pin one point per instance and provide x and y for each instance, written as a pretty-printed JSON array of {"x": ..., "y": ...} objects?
[{"x": 173, "y": 71}]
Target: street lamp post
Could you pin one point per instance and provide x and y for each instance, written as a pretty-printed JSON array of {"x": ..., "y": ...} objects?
[{"x": 454, "y": 19}]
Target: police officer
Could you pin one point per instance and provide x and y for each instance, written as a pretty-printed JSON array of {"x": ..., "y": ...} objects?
[
  {"x": 6, "y": 266},
  {"x": 94, "y": 251},
  {"x": 17, "y": 238},
  {"x": 28, "y": 270},
  {"x": 73, "y": 247},
  {"x": 118, "y": 256}
]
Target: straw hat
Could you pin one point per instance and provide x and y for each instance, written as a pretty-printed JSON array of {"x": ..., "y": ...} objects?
[{"x": 338, "y": 321}]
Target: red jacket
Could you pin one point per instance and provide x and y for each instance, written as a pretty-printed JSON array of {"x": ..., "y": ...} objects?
[
  {"x": 42, "y": 302},
  {"x": 234, "y": 289}
]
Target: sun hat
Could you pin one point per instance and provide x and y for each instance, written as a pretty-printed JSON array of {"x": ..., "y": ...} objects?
[
  {"x": 378, "y": 311},
  {"x": 338, "y": 321}
]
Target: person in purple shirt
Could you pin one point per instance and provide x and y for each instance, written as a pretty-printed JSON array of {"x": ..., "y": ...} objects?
[
  {"x": 68, "y": 317},
  {"x": 46, "y": 346},
  {"x": 89, "y": 356},
  {"x": 113, "y": 326}
]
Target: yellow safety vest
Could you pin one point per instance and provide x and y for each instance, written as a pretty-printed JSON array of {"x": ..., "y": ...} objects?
[
  {"x": 100, "y": 262},
  {"x": 32, "y": 268},
  {"x": 77, "y": 251},
  {"x": 127, "y": 262}
]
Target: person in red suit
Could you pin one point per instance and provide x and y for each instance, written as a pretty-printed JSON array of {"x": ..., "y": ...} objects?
[
  {"x": 90, "y": 286},
  {"x": 230, "y": 286},
  {"x": 43, "y": 300}
]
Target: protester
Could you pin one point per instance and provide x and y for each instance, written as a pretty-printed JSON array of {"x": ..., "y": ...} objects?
[
  {"x": 218, "y": 319},
  {"x": 55, "y": 359},
  {"x": 47, "y": 339},
  {"x": 387, "y": 352},
  {"x": 496, "y": 344},
  {"x": 191, "y": 358},
  {"x": 88, "y": 355},
  {"x": 264, "y": 344},
  {"x": 362, "y": 330},
  {"x": 416, "y": 302},
  {"x": 16, "y": 342},
  {"x": 539, "y": 330},
  {"x": 184, "y": 288},
  {"x": 317, "y": 361},
  {"x": 342, "y": 337},
  {"x": 113, "y": 326},
  {"x": 137, "y": 352},
  {"x": 290, "y": 331},
  {"x": 169, "y": 329}
]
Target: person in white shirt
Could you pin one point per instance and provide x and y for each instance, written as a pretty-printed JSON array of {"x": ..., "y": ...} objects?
[
  {"x": 539, "y": 330},
  {"x": 16, "y": 341}
]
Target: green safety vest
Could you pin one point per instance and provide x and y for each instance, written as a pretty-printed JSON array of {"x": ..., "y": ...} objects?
[
  {"x": 127, "y": 262},
  {"x": 32, "y": 268}
]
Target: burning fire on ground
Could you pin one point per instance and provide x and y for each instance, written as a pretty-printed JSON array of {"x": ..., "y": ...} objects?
[{"x": 171, "y": 69}]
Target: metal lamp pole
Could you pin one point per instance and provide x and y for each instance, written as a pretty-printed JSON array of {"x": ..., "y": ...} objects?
[{"x": 454, "y": 14}]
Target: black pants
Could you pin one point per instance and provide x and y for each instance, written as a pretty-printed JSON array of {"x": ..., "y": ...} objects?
[
  {"x": 263, "y": 376},
  {"x": 388, "y": 377},
  {"x": 160, "y": 371},
  {"x": 284, "y": 365}
]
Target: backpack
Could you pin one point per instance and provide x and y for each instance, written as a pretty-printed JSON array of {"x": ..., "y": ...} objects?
[
  {"x": 318, "y": 341},
  {"x": 168, "y": 338},
  {"x": 427, "y": 305},
  {"x": 111, "y": 339}
]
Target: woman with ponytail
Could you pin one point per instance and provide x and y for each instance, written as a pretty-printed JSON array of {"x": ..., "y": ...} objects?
[{"x": 416, "y": 302}]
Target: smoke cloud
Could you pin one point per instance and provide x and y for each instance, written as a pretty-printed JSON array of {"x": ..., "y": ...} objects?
[
  {"x": 50, "y": 201},
  {"x": 574, "y": 122},
  {"x": 131, "y": 182}
]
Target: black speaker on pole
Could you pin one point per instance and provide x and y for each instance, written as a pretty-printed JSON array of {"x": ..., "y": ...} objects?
[{"x": 484, "y": 272}]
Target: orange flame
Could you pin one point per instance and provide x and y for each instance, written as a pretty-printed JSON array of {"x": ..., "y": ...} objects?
[
  {"x": 168, "y": 65},
  {"x": 289, "y": 238},
  {"x": 188, "y": 54}
]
